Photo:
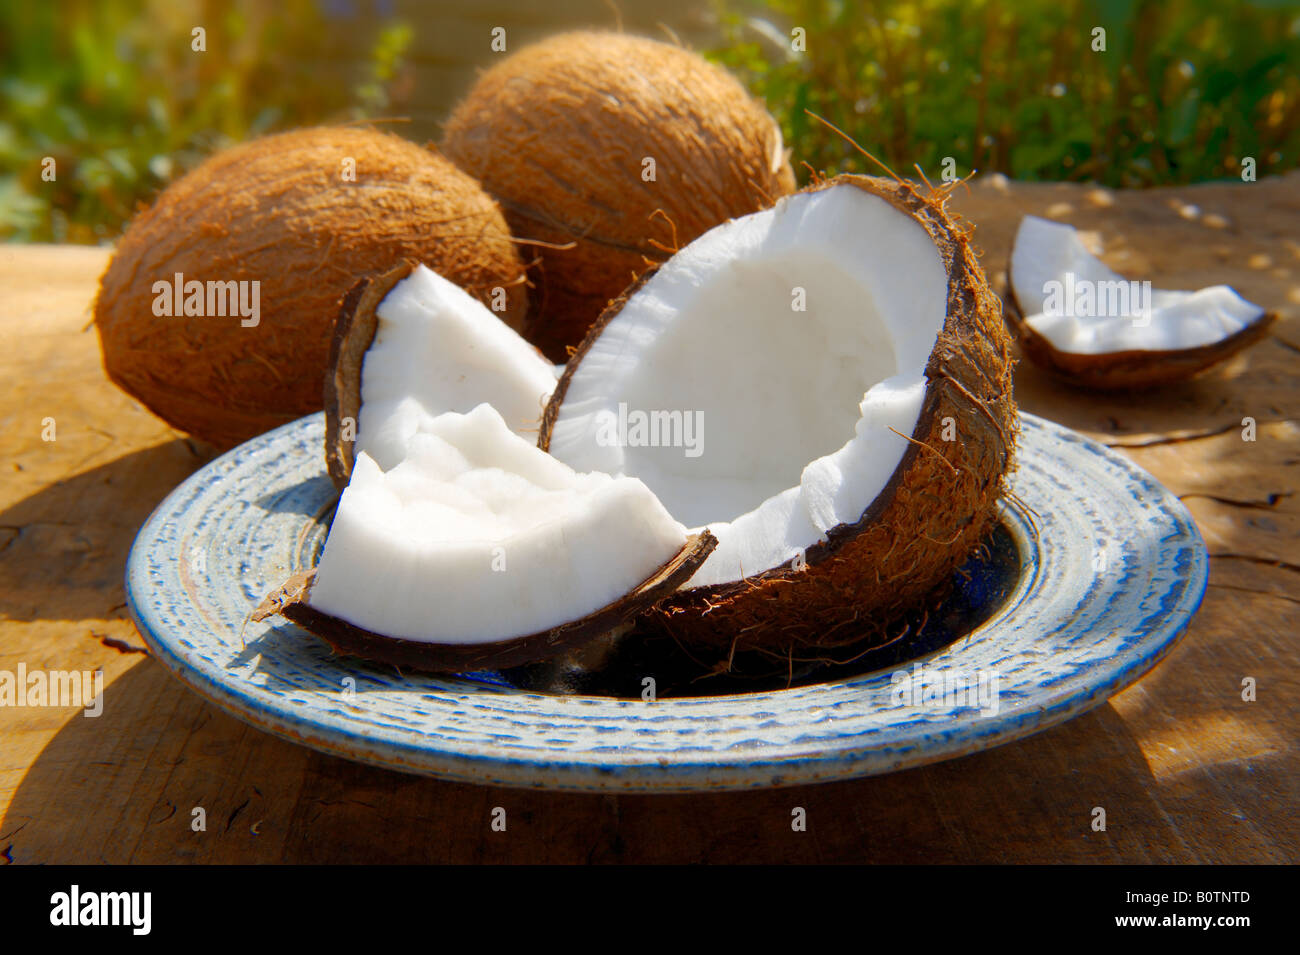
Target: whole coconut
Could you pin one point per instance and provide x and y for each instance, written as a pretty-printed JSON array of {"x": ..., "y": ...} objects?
[
  {"x": 620, "y": 148},
  {"x": 303, "y": 215}
]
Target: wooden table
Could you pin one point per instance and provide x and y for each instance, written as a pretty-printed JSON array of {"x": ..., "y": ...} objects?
[{"x": 1186, "y": 770}]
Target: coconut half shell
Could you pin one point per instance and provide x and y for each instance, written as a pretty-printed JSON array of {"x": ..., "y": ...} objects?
[
  {"x": 936, "y": 507},
  {"x": 1088, "y": 325},
  {"x": 291, "y": 602},
  {"x": 1132, "y": 370}
]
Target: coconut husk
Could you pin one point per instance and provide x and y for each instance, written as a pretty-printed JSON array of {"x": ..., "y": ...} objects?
[
  {"x": 558, "y": 133},
  {"x": 278, "y": 211},
  {"x": 938, "y": 506}
]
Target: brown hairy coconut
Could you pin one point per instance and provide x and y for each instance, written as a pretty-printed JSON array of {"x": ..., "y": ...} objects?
[
  {"x": 848, "y": 367},
  {"x": 563, "y": 132},
  {"x": 281, "y": 212},
  {"x": 1099, "y": 335}
]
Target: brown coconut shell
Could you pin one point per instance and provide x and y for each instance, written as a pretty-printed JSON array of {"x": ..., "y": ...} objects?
[
  {"x": 1134, "y": 370},
  {"x": 291, "y": 602},
  {"x": 938, "y": 506},
  {"x": 354, "y": 332},
  {"x": 278, "y": 211},
  {"x": 558, "y": 133}
]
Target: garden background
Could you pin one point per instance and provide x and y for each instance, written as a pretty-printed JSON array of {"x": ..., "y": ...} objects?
[{"x": 1183, "y": 91}]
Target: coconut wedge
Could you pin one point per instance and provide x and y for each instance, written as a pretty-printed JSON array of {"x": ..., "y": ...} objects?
[
  {"x": 410, "y": 345},
  {"x": 478, "y": 550},
  {"x": 826, "y": 387},
  {"x": 1088, "y": 325}
]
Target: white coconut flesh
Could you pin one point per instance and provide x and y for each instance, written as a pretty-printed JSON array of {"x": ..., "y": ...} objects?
[
  {"x": 1071, "y": 298},
  {"x": 774, "y": 424},
  {"x": 477, "y": 536},
  {"x": 437, "y": 349}
]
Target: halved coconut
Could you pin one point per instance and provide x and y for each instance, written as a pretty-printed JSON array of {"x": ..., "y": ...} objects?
[
  {"x": 1087, "y": 324},
  {"x": 479, "y": 550},
  {"x": 824, "y": 385},
  {"x": 410, "y": 345}
]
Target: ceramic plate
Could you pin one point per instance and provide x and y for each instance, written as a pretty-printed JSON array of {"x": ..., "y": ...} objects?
[{"x": 1093, "y": 575}]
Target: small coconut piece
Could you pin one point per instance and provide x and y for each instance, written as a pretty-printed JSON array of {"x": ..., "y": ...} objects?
[
  {"x": 479, "y": 550},
  {"x": 614, "y": 149},
  {"x": 826, "y": 387},
  {"x": 410, "y": 345},
  {"x": 1086, "y": 324},
  {"x": 283, "y": 226}
]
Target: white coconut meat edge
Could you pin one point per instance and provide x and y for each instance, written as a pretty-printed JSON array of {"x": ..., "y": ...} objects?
[
  {"x": 477, "y": 536},
  {"x": 437, "y": 349},
  {"x": 1081, "y": 306},
  {"x": 784, "y": 356}
]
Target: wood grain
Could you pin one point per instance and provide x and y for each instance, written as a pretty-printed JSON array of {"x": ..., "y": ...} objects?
[{"x": 1186, "y": 771}]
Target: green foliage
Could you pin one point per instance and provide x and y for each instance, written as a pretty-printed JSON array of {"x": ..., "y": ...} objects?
[
  {"x": 115, "y": 93},
  {"x": 1182, "y": 92}
]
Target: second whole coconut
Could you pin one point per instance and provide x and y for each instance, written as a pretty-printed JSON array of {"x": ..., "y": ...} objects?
[
  {"x": 217, "y": 309},
  {"x": 613, "y": 149}
]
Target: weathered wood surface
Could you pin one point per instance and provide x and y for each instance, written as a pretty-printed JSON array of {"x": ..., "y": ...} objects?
[{"x": 1186, "y": 770}]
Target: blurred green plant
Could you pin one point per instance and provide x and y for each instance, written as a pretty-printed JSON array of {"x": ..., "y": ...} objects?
[
  {"x": 115, "y": 94},
  {"x": 1183, "y": 91}
]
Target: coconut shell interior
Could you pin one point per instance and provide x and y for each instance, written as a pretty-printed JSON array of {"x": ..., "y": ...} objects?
[{"x": 291, "y": 602}]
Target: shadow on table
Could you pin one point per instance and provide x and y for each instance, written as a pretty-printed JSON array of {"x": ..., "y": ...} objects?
[
  {"x": 63, "y": 550},
  {"x": 122, "y": 787}
]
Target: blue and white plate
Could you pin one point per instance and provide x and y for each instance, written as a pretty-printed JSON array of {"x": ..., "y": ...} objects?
[{"x": 1095, "y": 573}]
